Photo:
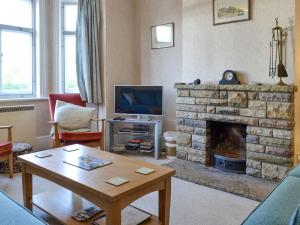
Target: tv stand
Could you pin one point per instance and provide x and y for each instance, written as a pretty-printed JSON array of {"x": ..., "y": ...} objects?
[{"x": 154, "y": 124}]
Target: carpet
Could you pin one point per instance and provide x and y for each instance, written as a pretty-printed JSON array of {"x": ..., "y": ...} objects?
[{"x": 238, "y": 184}]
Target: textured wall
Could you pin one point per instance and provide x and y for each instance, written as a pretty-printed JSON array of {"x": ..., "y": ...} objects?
[
  {"x": 209, "y": 50},
  {"x": 162, "y": 66}
]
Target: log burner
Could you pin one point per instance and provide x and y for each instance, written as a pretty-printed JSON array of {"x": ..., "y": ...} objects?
[{"x": 228, "y": 145}]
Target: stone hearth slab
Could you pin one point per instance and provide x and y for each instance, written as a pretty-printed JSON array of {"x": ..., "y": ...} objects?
[{"x": 238, "y": 184}]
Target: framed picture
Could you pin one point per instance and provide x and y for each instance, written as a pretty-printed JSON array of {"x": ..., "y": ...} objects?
[
  {"x": 162, "y": 36},
  {"x": 230, "y": 11}
]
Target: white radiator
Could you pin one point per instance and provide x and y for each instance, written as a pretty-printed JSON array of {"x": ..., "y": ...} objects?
[{"x": 23, "y": 120}]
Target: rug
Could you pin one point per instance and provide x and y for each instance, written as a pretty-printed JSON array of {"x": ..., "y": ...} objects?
[{"x": 238, "y": 184}]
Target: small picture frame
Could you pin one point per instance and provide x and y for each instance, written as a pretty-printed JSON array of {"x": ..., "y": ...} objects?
[
  {"x": 230, "y": 11},
  {"x": 162, "y": 36}
]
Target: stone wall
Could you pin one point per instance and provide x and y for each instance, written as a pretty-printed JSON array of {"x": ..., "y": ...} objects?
[{"x": 267, "y": 110}]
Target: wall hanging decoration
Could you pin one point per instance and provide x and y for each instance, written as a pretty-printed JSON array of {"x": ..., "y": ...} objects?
[
  {"x": 276, "y": 66},
  {"x": 230, "y": 11},
  {"x": 162, "y": 36}
]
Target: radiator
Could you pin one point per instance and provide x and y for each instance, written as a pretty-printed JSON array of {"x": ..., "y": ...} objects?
[{"x": 23, "y": 120}]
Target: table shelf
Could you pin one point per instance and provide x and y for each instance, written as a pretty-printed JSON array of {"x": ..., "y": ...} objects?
[
  {"x": 133, "y": 133},
  {"x": 62, "y": 203}
]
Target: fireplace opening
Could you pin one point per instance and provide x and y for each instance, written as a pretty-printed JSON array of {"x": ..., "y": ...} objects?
[{"x": 228, "y": 145}]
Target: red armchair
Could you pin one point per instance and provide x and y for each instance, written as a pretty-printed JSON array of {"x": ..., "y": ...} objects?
[
  {"x": 66, "y": 138},
  {"x": 6, "y": 149}
]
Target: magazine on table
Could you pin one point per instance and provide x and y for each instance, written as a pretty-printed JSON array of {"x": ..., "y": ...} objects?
[
  {"x": 87, "y": 213},
  {"x": 87, "y": 162}
]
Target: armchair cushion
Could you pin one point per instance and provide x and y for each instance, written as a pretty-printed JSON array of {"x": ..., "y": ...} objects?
[
  {"x": 73, "y": 117},
  {"x": 5, "y": 148},
  {"x": 80, "y": 136}
]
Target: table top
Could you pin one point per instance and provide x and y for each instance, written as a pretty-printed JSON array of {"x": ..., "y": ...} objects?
[{"x": 95, "y": 180}]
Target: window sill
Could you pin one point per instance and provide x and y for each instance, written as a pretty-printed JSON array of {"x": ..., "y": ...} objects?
[{"x": 23, "y": 99}]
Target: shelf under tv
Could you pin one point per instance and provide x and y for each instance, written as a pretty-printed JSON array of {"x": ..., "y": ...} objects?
[
  {"x": 133, "y": 133},
  {"x": 155, "y": 132}
]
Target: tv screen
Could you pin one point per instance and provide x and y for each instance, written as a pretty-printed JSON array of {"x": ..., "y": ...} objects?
[{"x": 138, "y": 100}]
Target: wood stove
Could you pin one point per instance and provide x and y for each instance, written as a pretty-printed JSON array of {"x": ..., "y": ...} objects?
[{"x": 228, "y": 145}]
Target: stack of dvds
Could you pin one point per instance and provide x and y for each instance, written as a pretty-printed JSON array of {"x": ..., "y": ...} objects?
[
  {"x": 134, "y": 144},
  {"x": 146, "y": 146}
]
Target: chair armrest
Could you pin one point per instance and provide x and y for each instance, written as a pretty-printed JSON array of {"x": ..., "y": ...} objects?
[
  {"x": 5, "y": 127},
  {"x": 53, "y": 123},
  {"x": 9, "y": 132}
]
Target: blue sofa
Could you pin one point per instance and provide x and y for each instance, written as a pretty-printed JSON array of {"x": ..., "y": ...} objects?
[
  {"x": 281, "y": 207},
  {"x": 11, "y": 213}
]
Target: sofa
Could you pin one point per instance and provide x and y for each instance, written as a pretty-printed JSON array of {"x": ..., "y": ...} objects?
[
  {"x": 281, "y": 207},
  {"x": 14, "y": 214}
]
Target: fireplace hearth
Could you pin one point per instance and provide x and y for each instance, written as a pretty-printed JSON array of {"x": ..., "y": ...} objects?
[{"x": 237, "y": 128}]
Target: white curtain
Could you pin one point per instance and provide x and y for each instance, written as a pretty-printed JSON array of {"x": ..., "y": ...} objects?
[{"x": 88, "y": 60}]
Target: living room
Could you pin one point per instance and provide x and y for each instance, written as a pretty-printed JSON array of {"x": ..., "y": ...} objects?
[{"x": 215, "y": 78}]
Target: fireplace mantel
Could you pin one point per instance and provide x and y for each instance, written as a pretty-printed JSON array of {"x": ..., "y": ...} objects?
[
  {"x": 267, "y": 110},
  {"x": 260, "y": 88}
]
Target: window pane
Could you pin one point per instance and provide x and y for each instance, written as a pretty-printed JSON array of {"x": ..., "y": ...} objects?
[
  {"x": 70, "y": 64},
  {"x": 70, "y": 15},
  {"x": 16, "y": 62},
  {"x": 16, "y": 13}
]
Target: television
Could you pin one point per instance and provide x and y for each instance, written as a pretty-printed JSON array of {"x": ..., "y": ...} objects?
[{"x": 138, "y": 100}]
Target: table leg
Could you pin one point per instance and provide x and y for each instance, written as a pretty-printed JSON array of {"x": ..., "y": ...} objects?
[
  {"x": 156, "y": 142},
  {"x": 27, "y": 188},
  {"x": 165, "y": 202},
  {"x": 113, "y": 213}
]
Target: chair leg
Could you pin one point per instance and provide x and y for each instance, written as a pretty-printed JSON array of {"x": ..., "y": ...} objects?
[{"x": 10, "y": 164}]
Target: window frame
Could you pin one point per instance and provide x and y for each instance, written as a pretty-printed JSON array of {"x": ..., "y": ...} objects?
[
  {"x": 31, "y": 31},
  {"x": 64, "y": 33}
]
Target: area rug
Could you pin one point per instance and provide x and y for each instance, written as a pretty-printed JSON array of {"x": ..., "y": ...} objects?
[{"x": 238, "y": 184}]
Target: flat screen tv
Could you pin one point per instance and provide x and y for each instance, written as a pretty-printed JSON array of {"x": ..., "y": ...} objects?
[{"x": 138, "y": 100}]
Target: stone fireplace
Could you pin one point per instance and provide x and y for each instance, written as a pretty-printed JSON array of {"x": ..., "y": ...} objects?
[{"x": 249, "y": 125}]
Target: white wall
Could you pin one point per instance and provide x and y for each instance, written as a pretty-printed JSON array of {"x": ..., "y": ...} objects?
[
  {"x": 161, "y": 66},
  {"x": 209, "y": 50}
]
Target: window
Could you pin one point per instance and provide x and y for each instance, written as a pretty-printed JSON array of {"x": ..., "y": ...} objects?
[
  {"x": 17, "y": 48},
  {"x": 68, "y": 52}
]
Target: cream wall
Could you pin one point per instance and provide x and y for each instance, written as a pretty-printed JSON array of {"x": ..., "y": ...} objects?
[
  {"x": 42, "y": 114},
  {"x": 209, "y": 50},
  {"x": 297, "y": 68},
  {"x": 121, "y": 48},
  {"x": 163, "y": 66}
]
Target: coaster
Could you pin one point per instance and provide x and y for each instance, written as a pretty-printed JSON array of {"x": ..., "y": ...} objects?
[
  {"x": 70, "y": 149},
  {"x": 117, "y": 181},
  {"x": 145, "y": 170},
  {"x": 42, "y": 155}
]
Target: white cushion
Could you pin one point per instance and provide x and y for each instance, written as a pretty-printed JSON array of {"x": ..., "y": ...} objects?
[{"x": 73, "y": 117}]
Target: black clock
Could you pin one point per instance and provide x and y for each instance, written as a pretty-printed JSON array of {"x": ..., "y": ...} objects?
[{"x": 229, "y": 77}]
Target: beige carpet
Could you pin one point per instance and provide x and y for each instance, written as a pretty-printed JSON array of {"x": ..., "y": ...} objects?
[{"x": 192, "y": 204}]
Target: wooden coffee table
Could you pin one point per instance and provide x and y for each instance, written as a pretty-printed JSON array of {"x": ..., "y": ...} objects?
[{"x": 92, "y": 186}]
